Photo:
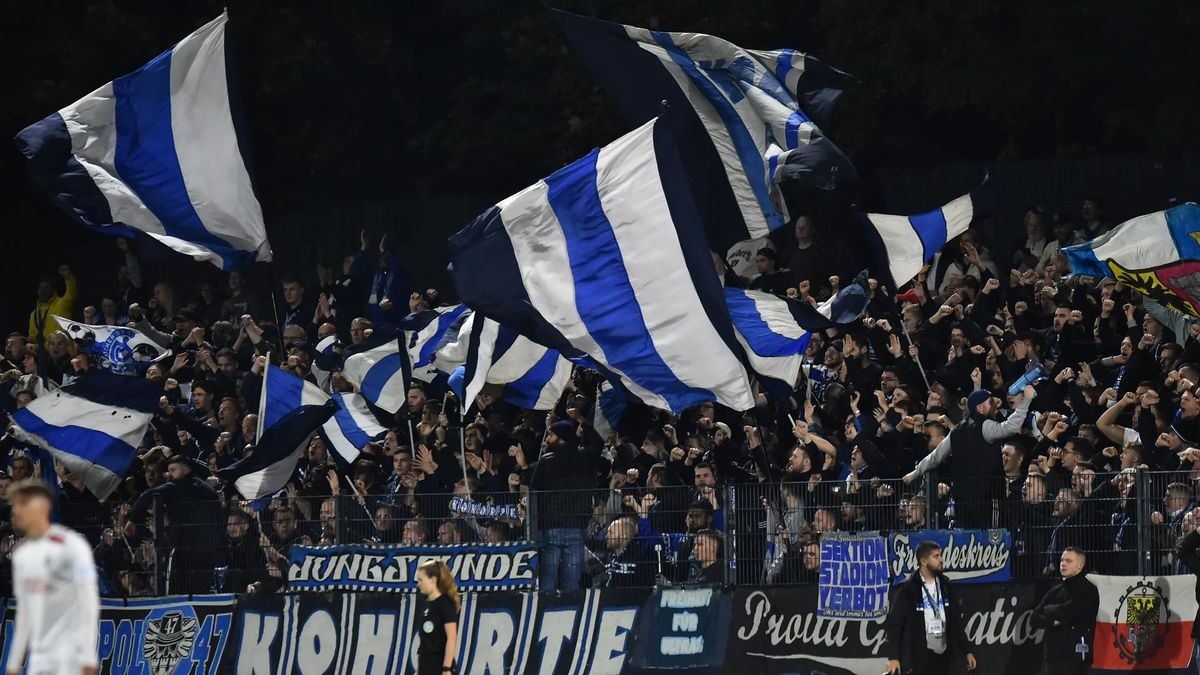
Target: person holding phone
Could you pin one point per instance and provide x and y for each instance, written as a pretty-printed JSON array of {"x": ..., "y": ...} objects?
[{"x": 437, "y": 619}]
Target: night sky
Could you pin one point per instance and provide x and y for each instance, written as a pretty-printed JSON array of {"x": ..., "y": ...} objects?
[{"x": 410, "y": 118}]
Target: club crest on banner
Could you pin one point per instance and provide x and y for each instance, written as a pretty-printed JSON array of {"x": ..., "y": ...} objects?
[
  {"x": 1141, "y": 625},
  {"x": 170, "y": 635},
  {"x": 1175, "y": 285}
]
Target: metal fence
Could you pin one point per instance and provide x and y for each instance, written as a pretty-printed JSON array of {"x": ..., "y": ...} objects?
[{"x": 628, "y": 535}]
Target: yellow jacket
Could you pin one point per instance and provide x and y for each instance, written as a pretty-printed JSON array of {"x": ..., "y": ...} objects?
[{"x": 41, "y": 322}]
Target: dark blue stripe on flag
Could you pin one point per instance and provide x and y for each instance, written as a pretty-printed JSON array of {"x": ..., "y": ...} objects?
[
  {"x": 95, "y": 447},
  {"x": 758, "y": 333},
  {"x": 380, "y": 374},
  {"x": 281, "y": 441},
  {"x": 1182, "y": 222},
  {"x": 931, "y": 229},
  {"x": 282, "y": 392},
  {"x": 444, "y": 320},
  {"x": 349, "y": 426},
  {"x": 147, "y": 161},
  {"x": 525, "y": 390},
  {"x": 604, "y": 295},
  {"x": 119, "y": 391}
]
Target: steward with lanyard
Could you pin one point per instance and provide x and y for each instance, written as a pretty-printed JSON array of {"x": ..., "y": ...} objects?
[{"x": 924, "y": 628}]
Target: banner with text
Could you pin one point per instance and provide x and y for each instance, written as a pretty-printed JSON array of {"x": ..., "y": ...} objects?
[
  {"x": 682, "y": 629},
  {"x": 357, "y": 567},
  {"x": 968, "y": 556},
  {"x": 854, "y": 578}
]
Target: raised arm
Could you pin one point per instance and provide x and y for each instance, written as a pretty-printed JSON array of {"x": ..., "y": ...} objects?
[{"x": 996, "y": 431}]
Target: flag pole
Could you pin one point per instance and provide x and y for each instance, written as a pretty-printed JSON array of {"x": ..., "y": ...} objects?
[
  {"x": 275, "y": 305},
  {"x": 462, "y": 444}
]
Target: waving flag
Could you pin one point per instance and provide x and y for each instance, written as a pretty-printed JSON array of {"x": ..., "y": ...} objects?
[
  {"x": 605, "y": 415},
  {"x": 380, "y": 369},
  {"x": 775, "y": 331},
  {"x": 1144, "y": 623},
  {"x": 117, "y": 349},
  {"x": 1157, "y": 254},
  {"x": 290, "y": 411},
  {"x": 157, "y": 152},
  {"x": 326, "y": 360},
  {"x": 94, "y": 426},
  {"x": 532, "y": 377},
  {"x": 903, "y": 244},
  {"x": 350, "y": 428},
  {"x": 751, "y": 118},
  {"x": 605, "y": 261},
  {"x": 428, "y": 330}
]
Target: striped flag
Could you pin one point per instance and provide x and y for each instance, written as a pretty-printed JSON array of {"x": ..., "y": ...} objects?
[
  {"x": 1144, "y": 623},
  {"x": 117, "y": 349},
  {"x": 326, "y": 360},
  {"x": 532, "y": 376},
  {"x": 290, "y": 411},
  {"x": 350, "y": 428},
  {"x": 901, "y": 245},
  {"x": 157, "y": 152},
  {"x": 776, "y": 331},
  {"x": 605, "y": 261},
  {"x": 381, "y": 371},
  {"x": 605, "y": 415},
  {"x": 94, "y": 426},
  {"x": 1157, "y": 254},
  {"x": 427, "y": 332},
  {"x": 749, "y": 122}
]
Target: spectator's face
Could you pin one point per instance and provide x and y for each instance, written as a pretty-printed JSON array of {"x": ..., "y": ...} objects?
[
  {"x": 799, "y": 462},
  {"x": 1126, "y": 347},
  {"x": 236, "y": 528},
  {"x": 293, "y": 334},
  {"x": 22, "y": 468},
  {"x": 227, "y": 414},
  {"x": 201, "y": 399},
  {"x": 1175, "y": 500},
  {"x": 177, "y": 471},
  {"x": 45, "y": 291},
  {"x": 1034, "y": 490},
  {"x": 402, "y": 463},
  {"x": 284, "y": 524},
  {"x": 888, "y": 382},
  {"x": 1071, "y": 456},
  {"x": 706, "y": 550},
  {"x": 23, "y": 399},
  {"x": 1012, "y": 459},
  {"x": 804, "y": 227},
  {"x": 347, "y": 264},
  {"x": 448, "y": 534},
  {"x": 1034, "y": 226},
  {"x": 316, "y": 451},
  {"x": 1064, "y": 503},
  {"x": 495, "y": 535},
  {"x": 14, "y": 348},
  {"x": 697, "y": 519},
  {"x": 705, "y": 477},
  {"x": 856, "y": 459},
  {"x": 914, "y": 514},
  {"x": 383, "y": 519},
  {"x": 933, "y": 562},
  {"x": 293, "y": 293},
  {"x": 227, "y": 365},
  {"x": 833, "y": 358},
  {"x": 416, "y": 399},
  {"x": 1130, "y": 457},
  {"x": 1152, "y": 326},
  {"x": 1070, "y": 564},
  {"x": 154, "y": 373},
  {"x": 811, "y": 557},
  {"x": 1081, "y": 480},
  {"x": 249, "y": 427},
  {"x": 58, "y": 345},
  {"x": 236, "y": 281},
  {"x": 1061, "y": 316},
  {"x": 413, "y": 532},
  {"x": 358, "y": 332},
  {"x": 824, "y": 521},
  {"x": 327, "y": 513},
  {"x": 620, "y": 533},
  {"x": 764, "y": 265},
  {"x": 153, "y": 475}
]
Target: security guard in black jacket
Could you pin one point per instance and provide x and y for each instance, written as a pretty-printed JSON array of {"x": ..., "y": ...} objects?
[
  {"x": 924, "y": 628},
  {"x": 1186, "y": 551},
  {"x": 1068, "y": 615}
]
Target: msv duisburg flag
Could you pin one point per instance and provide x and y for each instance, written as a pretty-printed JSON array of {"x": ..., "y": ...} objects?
[
  {"x": 117, "y": 349},
  {"x": 94, "y": 425},
  {"x": 529, "y": 375},
  {"x": 1157, "y": 255},
  {"x": 381, "y": 371},
  {"x": 751, "y": 120},
  {"x": 605, "y": 261},
  {"x": 428, "y": 331},
  {"x": 157, "y": 151},
  {"x": 776, "y": 331},
  {"x": 350, "y": 428}
]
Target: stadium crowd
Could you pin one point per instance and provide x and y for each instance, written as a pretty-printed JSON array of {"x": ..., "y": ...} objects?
[{"x": 1098, "y": 448}]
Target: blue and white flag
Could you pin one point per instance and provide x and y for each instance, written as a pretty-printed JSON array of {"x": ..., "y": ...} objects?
[
  {"x": 94, "y": 426},
  {"x": 531, "y": 376},
  {"x": 350, "y": 428},
  {"x": 776, "y": 331},
  {"x": 605, "y": 261},
  {"x": 326, "y": 360},
  {"x": 380, "y": 369},
  {"x": 117, "y": 349},
  {"x": 901, "y": 245},
  {"x": 751, "y": 120},
  {"x": 605, "y": 415},
  {"x": 428, "y": 331},
  {"x": 157, "y": 152},
  {"x": 290, "y": 411},
  {"x": 1157, "y": 255}
]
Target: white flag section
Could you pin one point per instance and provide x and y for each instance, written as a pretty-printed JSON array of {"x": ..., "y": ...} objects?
[
  {"x": 911, "y": 241},
  {"x": 1144, "y": 623},
  {"x": 117, "y": 349},
  {"x": 350, "y": 428},
  {"x": 775, "y": 343},
  {"x": 532, "y": 376},
  {"x": 94, "y": 426},
  {"x": 381, "y": 371},
  {"x": 156, "y": 151},
  {"x": 424, "y": 343}
]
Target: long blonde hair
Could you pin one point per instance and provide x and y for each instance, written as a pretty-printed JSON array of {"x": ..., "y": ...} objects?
[{"x": 436, "y": 569}]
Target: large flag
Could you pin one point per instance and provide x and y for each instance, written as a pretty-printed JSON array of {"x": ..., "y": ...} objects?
[
  {"x": 903, "y": 244},
  {"x": 380, "y": 369},
  {"x": 290, "y": 411},
  {"x": 605, "y": 261},
  {"x": 1144, "y": 623},
  {"x": 605, "y": 415},
  {"x": 1157, "y": 254},
  {"x": 350, "y": 428},
  {"x": 532, "y": 376},
  {"x": 117, "y": 349},
  {"x": 750, "y": 118},
  {"x": 428, "y": 331},
  {"x": 94, "y": 426},
  {"x": 157, "y": 151},
  {"x": 776, "y": 331},
  {"x": 326, "y": 359}
]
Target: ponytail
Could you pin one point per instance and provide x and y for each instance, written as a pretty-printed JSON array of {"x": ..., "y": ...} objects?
[{"x": 437, "y": 569}]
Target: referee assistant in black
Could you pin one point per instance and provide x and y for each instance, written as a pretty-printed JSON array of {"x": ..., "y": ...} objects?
[{"x": 924, "y": 628}]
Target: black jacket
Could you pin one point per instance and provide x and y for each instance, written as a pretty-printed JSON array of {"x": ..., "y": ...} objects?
[
  {"x": 563, "y": 479},
  {"x": 905, "y": 625},
  {"x": 1185, "y": 550},
  {"x": 193, "y": 510},
  {"x": 1074, "y": 603}
]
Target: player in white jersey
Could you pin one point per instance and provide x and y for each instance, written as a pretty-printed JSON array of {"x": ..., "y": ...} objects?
[{"x": 54, "y": 580}]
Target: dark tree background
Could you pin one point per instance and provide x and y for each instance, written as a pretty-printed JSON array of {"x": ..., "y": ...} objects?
[{"x": 409, "y": 118}]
